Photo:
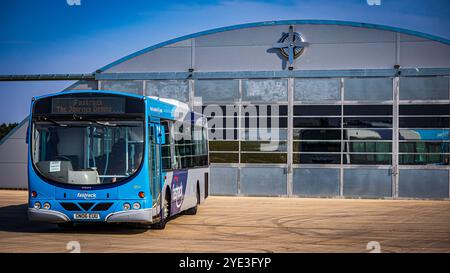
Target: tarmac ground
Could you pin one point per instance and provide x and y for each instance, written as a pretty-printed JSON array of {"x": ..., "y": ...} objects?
[{"x": 247, "y": 224}]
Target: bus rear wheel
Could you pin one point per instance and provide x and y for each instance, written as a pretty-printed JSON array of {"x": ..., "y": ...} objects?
[{"x": 193, "y": 210}]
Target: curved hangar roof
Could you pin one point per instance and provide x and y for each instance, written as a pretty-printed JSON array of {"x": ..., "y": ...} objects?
[{"x": 329, "y": 45}]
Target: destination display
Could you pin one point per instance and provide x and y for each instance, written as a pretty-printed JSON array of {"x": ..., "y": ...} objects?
[{"x": 99, "y": 105}]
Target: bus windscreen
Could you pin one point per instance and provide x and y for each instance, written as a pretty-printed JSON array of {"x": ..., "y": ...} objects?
[{"x": 87, "y": 138}]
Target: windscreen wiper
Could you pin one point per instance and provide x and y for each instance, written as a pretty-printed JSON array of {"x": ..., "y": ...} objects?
[
  {"x": 77, "y": 117},
  {"x": 44, "y": 118}
]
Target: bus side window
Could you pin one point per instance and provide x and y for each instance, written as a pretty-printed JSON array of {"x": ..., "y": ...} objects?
[
  {"x": 178, "y": 146},
  {"x": 150, "y": 148},
  {"x": 167, "y": 148}
]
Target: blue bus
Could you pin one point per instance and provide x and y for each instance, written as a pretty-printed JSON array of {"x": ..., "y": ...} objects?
[{"x": 107, "y": 156}]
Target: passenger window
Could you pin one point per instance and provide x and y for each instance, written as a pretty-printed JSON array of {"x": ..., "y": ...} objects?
[{"x": 166, "y": 148}]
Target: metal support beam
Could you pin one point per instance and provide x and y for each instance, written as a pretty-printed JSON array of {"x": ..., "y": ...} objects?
[
  {"x": 290, "y": 159},
  {"x": 404, "y": 72},
  {"x": 48, "y": 77}
]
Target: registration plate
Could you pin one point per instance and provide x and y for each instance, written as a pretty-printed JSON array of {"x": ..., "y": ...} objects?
[{"x": 86, "y": 216}]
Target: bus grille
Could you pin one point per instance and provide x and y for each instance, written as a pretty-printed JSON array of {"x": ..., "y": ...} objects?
[
  {"x": 102, "y": 206},
  {"x": 86, "y": 206},
  {"x": 70, "y": 206}
]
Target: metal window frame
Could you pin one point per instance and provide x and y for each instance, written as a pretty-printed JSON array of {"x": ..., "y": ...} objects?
[
  {"x": 419, "y": 167},
  {"x": 395, "y": 168}
]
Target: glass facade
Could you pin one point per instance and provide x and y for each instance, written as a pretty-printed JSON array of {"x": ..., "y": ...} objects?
[
  {"x": 131, "y": 86},
  {"x": 174, "y": 89},
  {"x": 351, "y": 136}
]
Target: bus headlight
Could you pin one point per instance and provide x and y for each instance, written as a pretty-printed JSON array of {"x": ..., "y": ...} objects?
[
  {"x": 136, "y": 205},
  {"x": 126, "y": 206},
  {"x": 46, "y": 205},
  {"x": 37, "y": 205}
]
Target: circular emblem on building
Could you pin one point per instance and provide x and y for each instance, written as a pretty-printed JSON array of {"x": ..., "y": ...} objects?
[
  {"x": 291, "y": 45},
  {"x": 298, "y": 50}
]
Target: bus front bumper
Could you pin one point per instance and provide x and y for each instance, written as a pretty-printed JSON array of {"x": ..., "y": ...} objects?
[
  {"x": 49, "y": 216},
  {"x": 143, "y": 216}
]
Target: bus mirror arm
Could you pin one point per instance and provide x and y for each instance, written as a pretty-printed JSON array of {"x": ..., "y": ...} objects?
[{"x": 27, "y": 138}]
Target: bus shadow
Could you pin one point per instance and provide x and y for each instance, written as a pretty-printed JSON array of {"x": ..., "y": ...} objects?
[{"x": 14, "y": 218}]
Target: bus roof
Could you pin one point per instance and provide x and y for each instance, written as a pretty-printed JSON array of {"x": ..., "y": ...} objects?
[{"x": 179, "y": 110}]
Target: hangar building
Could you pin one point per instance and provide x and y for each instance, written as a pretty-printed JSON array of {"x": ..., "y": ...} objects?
[{"x": 361, "y": 110}]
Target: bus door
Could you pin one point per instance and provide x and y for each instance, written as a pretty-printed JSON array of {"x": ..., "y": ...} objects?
[{"x": 156, "y": 136}]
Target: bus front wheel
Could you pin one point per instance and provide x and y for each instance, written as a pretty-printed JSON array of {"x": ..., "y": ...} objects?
[
  {"x": 162, "y": 223},
  {"x": 66, "y": 225}
]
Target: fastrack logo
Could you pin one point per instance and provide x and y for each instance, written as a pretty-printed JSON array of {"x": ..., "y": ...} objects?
[
  {"x": 374, "y": 2},
  {"x": 73, "y": 2},
  {"x": 86, "y": 195},
  {"x": 154, "y": 109},
  {"x": 177, "y": 193}
]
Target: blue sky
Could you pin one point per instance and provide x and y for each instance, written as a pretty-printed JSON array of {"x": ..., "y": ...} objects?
[{"x": 50, "y": 36}]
